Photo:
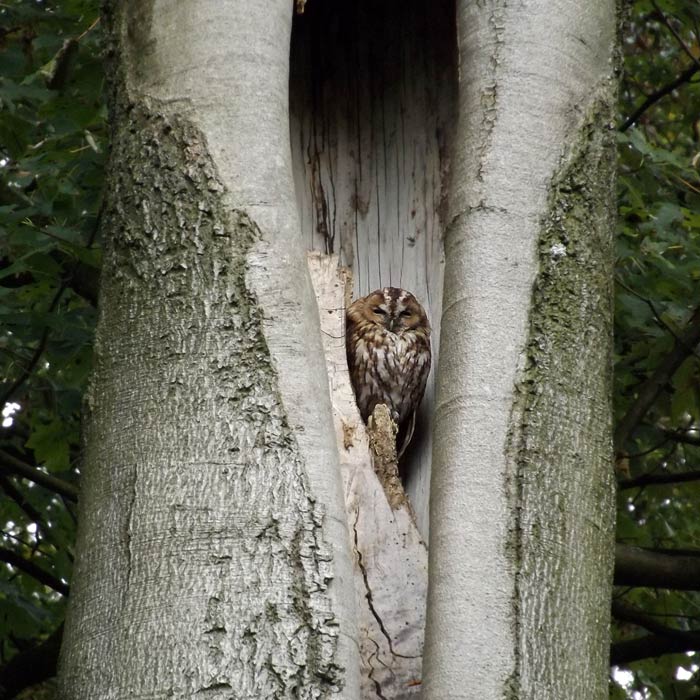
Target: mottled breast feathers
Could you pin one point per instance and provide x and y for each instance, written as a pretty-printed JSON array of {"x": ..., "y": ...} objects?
[{"x": 388, "y": 349}]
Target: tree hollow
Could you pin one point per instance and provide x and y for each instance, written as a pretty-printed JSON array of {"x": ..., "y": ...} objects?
[{"x": 372, "y": 97}]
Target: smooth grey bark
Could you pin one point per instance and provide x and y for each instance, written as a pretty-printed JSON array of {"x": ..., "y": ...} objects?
[
  {"x": 521, "y": 534},
  {"x": 212, "y": 555}
]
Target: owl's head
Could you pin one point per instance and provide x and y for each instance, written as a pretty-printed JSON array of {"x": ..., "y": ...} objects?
[{"x": 395, "y": 309}]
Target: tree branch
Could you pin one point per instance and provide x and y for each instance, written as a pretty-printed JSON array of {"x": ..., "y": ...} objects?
[
  {"x": 636, "y": 566},
  {"x": 682, "y": 436},
  {"x": 18, "y": 497},
  {"x": 30, "y": 666},
  {"x": 684, "y": 77},
  {"x": 649, "y": 303},
  {"x": 31, "y": 569},
  {"x": 649, "y": 391},
  {"x": 16, "y": 466},
  {"x": 656, "y": 479},
  {"x": 651, "y": 645},
  {"x": 676, "y": 35},
  {"x": 663, "y": 640}
]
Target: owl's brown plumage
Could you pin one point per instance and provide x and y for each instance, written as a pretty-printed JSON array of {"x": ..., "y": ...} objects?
[{"x": 387, "y": 339}]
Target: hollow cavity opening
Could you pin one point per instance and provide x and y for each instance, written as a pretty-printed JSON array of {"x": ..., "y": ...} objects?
[{"x": 372, "y": 103}]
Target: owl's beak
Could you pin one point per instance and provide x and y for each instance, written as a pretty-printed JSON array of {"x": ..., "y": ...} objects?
[{"x": 391, "y": 324}]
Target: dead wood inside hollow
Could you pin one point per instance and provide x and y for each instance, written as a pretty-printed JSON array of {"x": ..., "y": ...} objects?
[
  {"x": 390, "y": 557},
  {"x": 382, "y": 433},
  {"x": 372, "y": 104}
]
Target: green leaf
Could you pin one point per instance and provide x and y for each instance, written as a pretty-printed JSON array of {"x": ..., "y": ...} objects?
[{"x": 51, "y": 445}]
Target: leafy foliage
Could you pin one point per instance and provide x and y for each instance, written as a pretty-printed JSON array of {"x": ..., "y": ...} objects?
[
  {"x": 52, "y": 152},
  {"x": 658, "y": 273}
]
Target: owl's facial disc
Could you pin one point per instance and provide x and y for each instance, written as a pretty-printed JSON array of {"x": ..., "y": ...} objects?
[
  {"x": 394, "y": 309},
  {"x": 381, "y": 314},
  {"x": 387, "y": 315}
]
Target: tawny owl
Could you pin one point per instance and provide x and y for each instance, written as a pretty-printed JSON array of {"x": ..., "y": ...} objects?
[{"x": 387, "y": 340}]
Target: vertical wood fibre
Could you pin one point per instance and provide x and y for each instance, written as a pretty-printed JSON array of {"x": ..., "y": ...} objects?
[{"x": 372, "y": 98}]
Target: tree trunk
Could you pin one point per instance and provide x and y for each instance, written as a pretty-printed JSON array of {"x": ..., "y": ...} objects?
[
  {"x": 212, "y": 558},
  {"x": 521, "y": 496}
]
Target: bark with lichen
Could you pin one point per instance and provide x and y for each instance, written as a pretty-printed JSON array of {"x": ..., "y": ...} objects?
[{"x": 212, "y": 554}]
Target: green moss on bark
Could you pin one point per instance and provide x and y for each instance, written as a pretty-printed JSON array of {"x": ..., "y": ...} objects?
[
  {"x": 184, "y": 380},
  {"x": 560, "y": 444}
]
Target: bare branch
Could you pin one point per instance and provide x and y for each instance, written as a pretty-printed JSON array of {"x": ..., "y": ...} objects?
[
  {"x": 18, "y": 497},
  {"x": 649, "y": 303},
  {"x": 9, "y": 392},
  {"x": 657, "y": 479},
  {"x": 683, "y": 78},
  {"x": 651, "y": 645},
  {"x": 12, "y": 465},
  {"x": 663, "y": 640},
  {"x": 31, "y": 569},
  {"x": 683, "y": 436},
  {"x": 636, "y": 566},
  {"x": 676, "y": 35}
]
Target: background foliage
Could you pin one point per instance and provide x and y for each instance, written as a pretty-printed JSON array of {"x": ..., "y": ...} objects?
[
  {"x": 658, "y": 277},
  {"x": 52, "y": 155}
]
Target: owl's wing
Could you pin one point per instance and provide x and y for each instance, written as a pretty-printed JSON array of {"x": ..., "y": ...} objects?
[{"x": 408, "y": 434}]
